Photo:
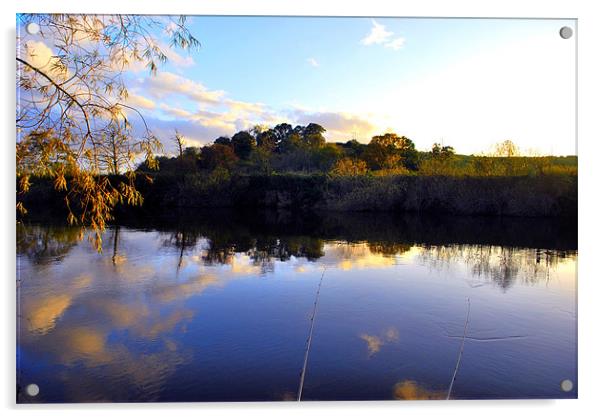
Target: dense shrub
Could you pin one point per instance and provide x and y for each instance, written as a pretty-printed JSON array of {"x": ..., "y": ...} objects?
[
  {"x": 541, "y": 195},
  {"x": 544, "y": 195}
]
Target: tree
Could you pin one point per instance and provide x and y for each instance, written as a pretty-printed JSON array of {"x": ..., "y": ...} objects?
[
  {"x": 258, "y": 129},
  {"x": 292, "y": 142},
  {"x": 218, "y": 156},
  {"x": 75, "y": 97},
  {"x": 260, "y": 159},
  {"x": 438, "y": 161},
  {"x": 192, "y": 153},
  {"x": 323, "y": 158},
  {"x": 281, "y": 133},
  {"x": 223, "y": 140},
  {"x": 388, "y": 150},
  {"x": 448, "y": 151},
  {"x": 179, "y": 140},
  {"x": 313, "y": 135},
  {"x": 243, "y": 144},
  {"x": 506, "y": 148},
  {"x": 114, "y": 152},
  {"x": 383, "y": 151},
  {"x": 313, "y": 129},
  {"x": 442, "y": 152},
  {"x": 349, "y": 167},
  {"x": 354, "y": 148},
  {"x": 267, "y": 140},
  {"x": 391, "y": 141}
]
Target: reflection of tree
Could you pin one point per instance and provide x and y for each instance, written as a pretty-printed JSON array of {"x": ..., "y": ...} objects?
[
  {"x": 115, "y": 258},
  {"x": 221, "y": 248},
  {"x": 222, "y": 244},
  {"x": 301, "y": 246},
  {"x": 263, "y": 250},
  {"x": 46, "y": 244},
  {"x": 502, "y": 265},
  {"x": 182, "y": 239},
  {"x": 217, "y": 237},
  {"x": 389, "y": 248}
]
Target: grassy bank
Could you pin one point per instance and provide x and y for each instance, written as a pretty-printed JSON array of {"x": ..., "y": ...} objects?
[{"x": 540, "y": 195}]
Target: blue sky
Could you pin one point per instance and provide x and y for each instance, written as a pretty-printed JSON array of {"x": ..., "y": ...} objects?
[
  {"x": 265, "y": 59},
  {"x": 468, "y": 83}
]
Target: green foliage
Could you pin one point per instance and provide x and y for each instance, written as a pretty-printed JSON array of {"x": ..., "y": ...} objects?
[
  {"x": 545, "y": 195},
  {"x": 389, "y": 151},
  {"x": 217, "y": 155},
  {"x": 442, "y": 152},
  {"x": 542, "y": 195},
  {"x": 296, "y": 169},
  {"x": 223, "y": 140},
  {"x": 506, "y": 148},
  {"x": 293, "y": 168},
  {"x": 349, "y": 167},
  {"x": 243, "y": 144},
  {"x": 353, "y": 148}
]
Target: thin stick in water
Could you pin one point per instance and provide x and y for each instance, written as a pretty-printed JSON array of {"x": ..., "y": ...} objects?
[
  {"x": 451, "y": 385},
  {"x": 309, "y": 338}
]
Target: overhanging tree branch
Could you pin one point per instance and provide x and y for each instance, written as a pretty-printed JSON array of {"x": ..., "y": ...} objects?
[{"x": 61, "y": 89}]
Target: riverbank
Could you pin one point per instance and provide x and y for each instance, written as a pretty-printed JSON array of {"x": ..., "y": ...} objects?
[{"x": 549, "y": 195}]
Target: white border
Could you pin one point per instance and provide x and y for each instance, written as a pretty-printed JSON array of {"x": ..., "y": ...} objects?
[{"x": 590, "y": 154}]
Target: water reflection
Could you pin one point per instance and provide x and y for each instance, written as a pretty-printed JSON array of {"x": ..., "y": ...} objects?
[
  {"x": 44, "y": 245},
  {"x": 375, "y": 342},
  {"x": 499, "y": 264},
  {"x": 218, "y": 310},
  {"x": 410, "y": 390},
  {"x": 502, "y": 266}
]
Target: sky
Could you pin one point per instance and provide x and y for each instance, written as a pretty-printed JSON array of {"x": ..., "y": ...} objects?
[{"x": 468, "y": 83}]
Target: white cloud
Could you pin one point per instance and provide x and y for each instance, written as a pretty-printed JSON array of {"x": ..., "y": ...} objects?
[
  {"x": 396, "y": 43},
  {"x": 508, "y": 92},
  {"x": 165, "y": 84},
  {"x": 244, "y": 107},
  {"x": 226, "y": 116},
  {"x": 340, "y": 126},
  {"x": 313, "y": 62},
  {"x": 41, "y": 56},
  {"x": 379, "y": 35},
  {"x": 215, "y": 114},
  {"x": 138, "y": 101}
]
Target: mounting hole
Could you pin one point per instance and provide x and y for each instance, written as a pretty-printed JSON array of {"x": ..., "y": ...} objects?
[
  {"x": 32, "y": 28},
  {"x": 32, "y": 389},
  {"x": 566, "y": 32},
  {"x": 566, "y": 385}
]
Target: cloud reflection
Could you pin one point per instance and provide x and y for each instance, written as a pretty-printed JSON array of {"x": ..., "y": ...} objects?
[
  {"x": 42, "y": 313},
  {"x": 118, "y": 320},
  {"x": 411, "y": 390},
  {"x": 375, "y": 342}
]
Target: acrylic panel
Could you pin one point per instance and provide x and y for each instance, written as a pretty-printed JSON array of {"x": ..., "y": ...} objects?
[{"x": 281, "y": 208}]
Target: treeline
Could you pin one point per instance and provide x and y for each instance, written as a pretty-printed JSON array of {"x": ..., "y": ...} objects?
[
  {"x": 296, "y": 169},
  {"x": 303, "y": 149}
]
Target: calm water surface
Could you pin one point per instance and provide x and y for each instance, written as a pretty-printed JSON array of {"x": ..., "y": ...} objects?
[{"x": 219, "y": 309}]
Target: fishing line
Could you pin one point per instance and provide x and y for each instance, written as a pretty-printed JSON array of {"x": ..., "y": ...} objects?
[
  {"x": 309, "y": 338},
  {"x": 451, "y": 385}
]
